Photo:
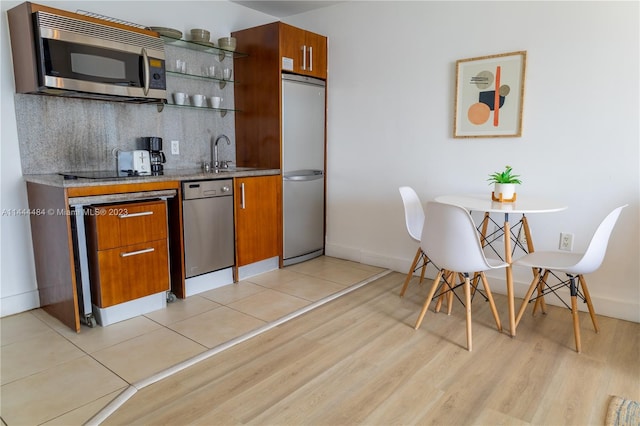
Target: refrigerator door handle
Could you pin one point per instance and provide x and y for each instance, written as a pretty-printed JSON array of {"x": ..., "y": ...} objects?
[{"x": 303, "y": 175}]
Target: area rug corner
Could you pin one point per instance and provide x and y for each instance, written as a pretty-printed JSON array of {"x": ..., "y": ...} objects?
[{"x": 622, "y": 412}]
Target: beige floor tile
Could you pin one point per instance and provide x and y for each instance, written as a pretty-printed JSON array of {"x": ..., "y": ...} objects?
[
  {"x": 275, "y": 278},
  {"x": 52, "y": 322},
  {"x": 94, "y": 339},
  {"x": 309, "y": 288},
  {"x": 83, "y": 414},
  {"x": 182, "y": 309},
  {"x": 145, "y": 355},
  {"x": 269, "y": 305},
  {"x": 310, "y": 267},
  {"x": 21, "y": 326},
  {"x": 216, "y": 326},
  {"x": 27, "y": 357},
  {"x": 232, "y": 292},
  {"x": 56, "y": 391},
  {"x": 343, "y": 275}
]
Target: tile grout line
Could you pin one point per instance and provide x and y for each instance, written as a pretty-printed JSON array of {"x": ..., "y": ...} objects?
[{"x": 123, "y": 397}]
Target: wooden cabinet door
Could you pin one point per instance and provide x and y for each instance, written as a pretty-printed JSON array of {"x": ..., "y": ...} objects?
[
  {"x": 317, "y": 55},
  {"x": 303, "y": 52},
  {"x": 125, "y": 224},
  {"x": 128, "y": 273},
  {"x": 292, "y": 55},
  {"x": 257, "y": 218}
]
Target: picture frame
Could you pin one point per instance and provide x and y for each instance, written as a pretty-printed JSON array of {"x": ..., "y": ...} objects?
[{"x": 483, "y": 82}]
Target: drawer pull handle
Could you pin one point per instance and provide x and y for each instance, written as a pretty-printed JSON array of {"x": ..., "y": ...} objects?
[
  {"x": 133, "y": 253},
  {"x": 124, "y": 216}
]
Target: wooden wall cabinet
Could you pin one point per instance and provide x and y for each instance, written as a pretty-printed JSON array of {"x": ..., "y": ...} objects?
[
  {"x": 257, "y": 218},
  {"x": 303, "y": 52},
  {"x": 259, "y": 88},
  {"x": 128, "y": 252}
]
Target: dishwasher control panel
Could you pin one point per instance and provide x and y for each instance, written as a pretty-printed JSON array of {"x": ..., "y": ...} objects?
[{"x": 207, "y": 188}]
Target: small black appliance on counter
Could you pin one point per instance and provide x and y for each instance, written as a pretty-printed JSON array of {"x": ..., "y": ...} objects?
[{"x": 154, "y": 145}]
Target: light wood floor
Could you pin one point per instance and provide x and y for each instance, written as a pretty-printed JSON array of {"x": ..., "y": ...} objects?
[{"x": 358, "y": 360}]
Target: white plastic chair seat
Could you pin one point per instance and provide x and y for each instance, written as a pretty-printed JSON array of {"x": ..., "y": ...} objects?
[
  {"x": 496, "y": 264},
  {"x": 556, "y": 260}
]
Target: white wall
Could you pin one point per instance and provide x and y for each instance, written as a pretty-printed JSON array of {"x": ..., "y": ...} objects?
[
  {"x": 18, "y": 290},
  {"x": 391, "y": 89}
]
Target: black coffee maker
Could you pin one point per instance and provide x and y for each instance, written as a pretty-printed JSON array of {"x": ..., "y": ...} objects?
[{"x": 154, "y": 146}]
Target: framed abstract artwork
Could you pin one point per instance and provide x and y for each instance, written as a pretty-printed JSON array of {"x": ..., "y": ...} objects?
[{"x": 489, "y": 96}]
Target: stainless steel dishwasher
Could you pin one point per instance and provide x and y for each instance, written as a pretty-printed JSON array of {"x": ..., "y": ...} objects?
[{"x": 207, "y": 214}]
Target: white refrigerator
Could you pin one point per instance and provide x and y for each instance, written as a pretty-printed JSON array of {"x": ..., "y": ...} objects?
[{"x": 303, "y": 135}]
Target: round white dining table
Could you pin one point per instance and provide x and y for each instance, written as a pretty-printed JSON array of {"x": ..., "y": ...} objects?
[{"x": 523, "y": 205}]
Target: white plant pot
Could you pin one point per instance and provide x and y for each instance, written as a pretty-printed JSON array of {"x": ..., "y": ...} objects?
[{"x": 506, "y": 189}]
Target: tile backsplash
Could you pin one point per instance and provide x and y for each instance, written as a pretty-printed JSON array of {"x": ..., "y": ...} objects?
[{"x": 65, "y": 134}]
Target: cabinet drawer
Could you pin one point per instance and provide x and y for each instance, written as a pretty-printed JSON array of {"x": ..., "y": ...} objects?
[
  {"x": 127, "y": 273},
  {"x": 125, "y": 224}
]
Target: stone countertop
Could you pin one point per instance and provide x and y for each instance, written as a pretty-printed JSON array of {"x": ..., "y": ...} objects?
[{"x": 58, "y": 180}]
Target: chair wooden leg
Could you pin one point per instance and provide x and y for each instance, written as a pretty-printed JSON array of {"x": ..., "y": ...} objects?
[
  {"x": 410, "y": 273},
  {"x": 576, "y": 322},
  {"x": 525, "y": 301},
  {"x": 425, "y": 260},
  {"x": 492, "y": 304},
  {"x": 427, "y": 301},
  {"x": 574, "y": 311},
  {"x": 587, "y": 297},
  {"x": 450, "y": 295},
  {"x": 540, "y": 300},
  {"x": 467, "y": 302},
  {"x": 448, "y": 276}
]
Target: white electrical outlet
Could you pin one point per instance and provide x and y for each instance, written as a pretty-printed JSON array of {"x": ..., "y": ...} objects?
[
  {"x": 566, "y": 241},
  {"x": 175, "y": 147}
]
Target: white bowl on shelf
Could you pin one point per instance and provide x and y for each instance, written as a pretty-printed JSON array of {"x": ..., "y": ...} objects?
[
  {"x": 200, "y": 35},
  {"x": 227, "y": 43}
]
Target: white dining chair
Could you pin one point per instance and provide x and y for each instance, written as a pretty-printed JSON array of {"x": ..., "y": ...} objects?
[
  {"x": 414, "y": 220},
  {"x": 450, "y": 240},
  {"x": 574, "y": 266}
]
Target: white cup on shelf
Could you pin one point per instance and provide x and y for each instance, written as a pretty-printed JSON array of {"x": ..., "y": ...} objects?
[
  {"x": 198, "y": 100},
  {"x": 227, "y": 73},
  {"x": 215, "y": 101},
  {"x": 180, "y": 98}
]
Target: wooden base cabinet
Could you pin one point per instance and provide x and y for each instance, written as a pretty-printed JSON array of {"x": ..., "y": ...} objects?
[
  {"x": 257, "y": 218},
  {"x": 128, "y": 252}
]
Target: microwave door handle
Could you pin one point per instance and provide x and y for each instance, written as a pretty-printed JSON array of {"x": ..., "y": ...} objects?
[{"x": 146, "y": 71}]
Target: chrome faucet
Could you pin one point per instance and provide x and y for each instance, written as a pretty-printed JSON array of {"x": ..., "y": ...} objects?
[{"x": 215, "y": 162}]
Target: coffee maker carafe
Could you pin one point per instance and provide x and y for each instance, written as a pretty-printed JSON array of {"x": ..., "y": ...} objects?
[{"x": 154, "y": 146}]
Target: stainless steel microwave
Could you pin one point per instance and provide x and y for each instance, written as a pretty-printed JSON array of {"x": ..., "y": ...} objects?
[{"x": 62, "y": 53}]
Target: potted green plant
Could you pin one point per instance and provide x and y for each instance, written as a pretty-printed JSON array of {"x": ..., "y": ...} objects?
[{"x": 504, "y": 184}]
